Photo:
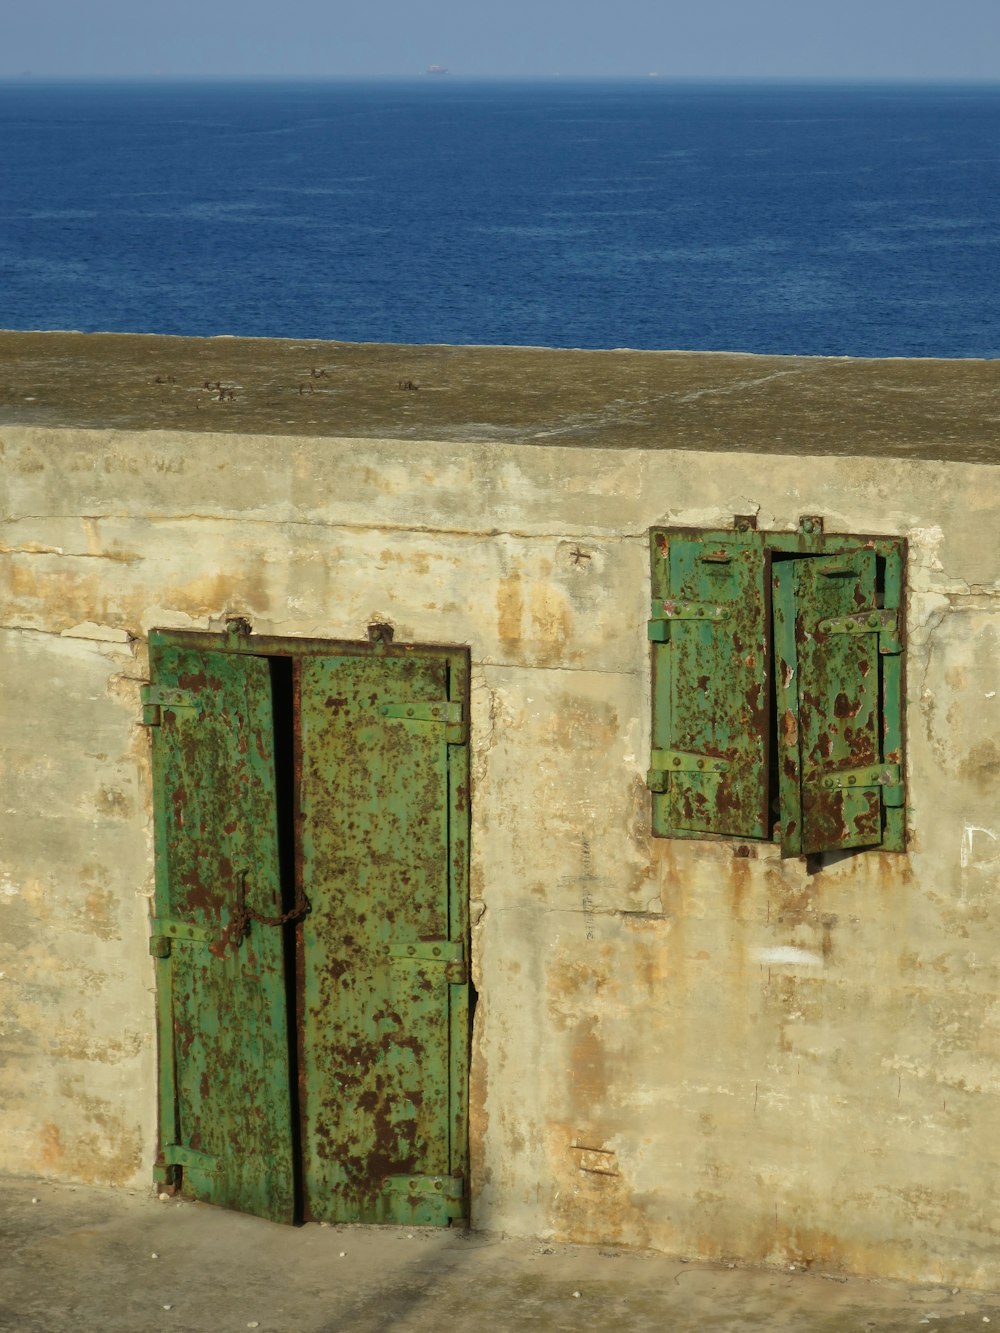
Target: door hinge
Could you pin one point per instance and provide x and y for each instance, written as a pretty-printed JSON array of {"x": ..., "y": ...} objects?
[
  {"x": 669, "y": 608},
  {"x": 157, "y": 698},
  {"x": 451, "y": 953},
  {"x": 663, "y": 763},
  {"x": 449, "y": 714},
  {"x": 448, "y": 1191},
  {"x": 163, "y": 931},
  {"x": 176, "y": 1154}
]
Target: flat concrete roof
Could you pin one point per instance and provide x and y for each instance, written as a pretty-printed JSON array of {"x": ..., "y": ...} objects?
[{"x": 608, "y": 399}]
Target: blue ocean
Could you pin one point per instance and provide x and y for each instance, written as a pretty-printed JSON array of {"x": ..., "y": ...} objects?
[{"x": 859, "y": 220}]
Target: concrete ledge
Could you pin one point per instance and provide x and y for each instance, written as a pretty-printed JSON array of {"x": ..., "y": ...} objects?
[{"x": 607, "y": 399}]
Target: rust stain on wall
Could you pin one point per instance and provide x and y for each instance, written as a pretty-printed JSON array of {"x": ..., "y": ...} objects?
[
  {"x": 595, "y": 1206},
  {"x": 510, "y": 610},
  {"x": 551, "y": 620},
  {"x": 51, "y": 1153},
  {"x": 981, "y": 766},
  {"x": 113, "y": 802},
  {"x": 212, "y": 593},
  {"x": 588, "y": 1067},
  {"x": 99, "y": 914},
  {"x": 108, "y": 1154},
  {"x": 581, "y": 724}
]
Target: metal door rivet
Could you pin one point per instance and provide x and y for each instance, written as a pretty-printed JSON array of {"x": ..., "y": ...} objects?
[{"x": 676, "y": 762}]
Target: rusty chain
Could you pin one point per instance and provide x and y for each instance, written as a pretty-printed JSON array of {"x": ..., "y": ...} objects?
[{"x": 243, "y": 914}]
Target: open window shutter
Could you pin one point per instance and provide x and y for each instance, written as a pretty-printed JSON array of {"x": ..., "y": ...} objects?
[
  {"x": 827, "y": 630},
  {"x": 710, "y": 693},
  {"x": 224, "y": 1098}
]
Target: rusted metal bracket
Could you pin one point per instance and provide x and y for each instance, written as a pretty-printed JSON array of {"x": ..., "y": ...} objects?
[
  {"x": 449, "y": 1191},
  {"x": 664, "y": 763},
  {"x": 864, "y": 622},
  {"x": 884, "y": 623},
  {"x": 424, "y": 712},
  {"x": 176, "y": 1154},
  {"x": 163, "y": 931},
  {"x": 874, "y": 775},
  {"x": 449, "y": 714},
  {"x": 663, "y": 612},
  {"x": 449, "y": 952},
  {"x": 156, "y": 698}
]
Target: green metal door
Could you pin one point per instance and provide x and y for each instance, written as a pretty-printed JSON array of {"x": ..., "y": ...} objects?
[
  {"x": 321, "y": 1070},
  {"x": 384, "y": 1024},
  {"x": 224, "y": 1094}
]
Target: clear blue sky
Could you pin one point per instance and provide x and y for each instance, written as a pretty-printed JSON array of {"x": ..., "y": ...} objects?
[{"x": 863, "y": 39}]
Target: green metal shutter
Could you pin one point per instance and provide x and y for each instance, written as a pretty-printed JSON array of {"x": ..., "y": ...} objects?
[
  {"x": 709, "y": 627},
  {"x": 224, "y": 1098},
  {"x": 833, "y": 778}
]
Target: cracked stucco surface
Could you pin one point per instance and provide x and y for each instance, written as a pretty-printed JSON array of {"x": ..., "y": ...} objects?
[{"x": 675, "y": 1046}]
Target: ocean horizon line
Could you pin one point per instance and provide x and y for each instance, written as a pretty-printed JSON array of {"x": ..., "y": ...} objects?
[{"x": 445, "y": 78}]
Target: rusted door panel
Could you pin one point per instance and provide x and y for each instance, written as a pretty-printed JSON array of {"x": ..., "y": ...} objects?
[
  {"x": 710, "y": 687},
  {"x": 224, "y": 1096},
  {"x": 382, "y": 965},
  {"x": 827, "y": 685}
]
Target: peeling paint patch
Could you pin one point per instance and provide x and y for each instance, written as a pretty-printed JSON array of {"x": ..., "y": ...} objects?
[
  {"x": 787, "y": 953},
  {"x": 89, "y": 629}
]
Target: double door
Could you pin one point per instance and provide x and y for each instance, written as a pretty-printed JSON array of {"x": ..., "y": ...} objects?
[{"x": 310, "y": 927}]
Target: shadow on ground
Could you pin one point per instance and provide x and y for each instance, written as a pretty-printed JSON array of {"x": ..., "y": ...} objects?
[{"x": 77, "y": 1258}]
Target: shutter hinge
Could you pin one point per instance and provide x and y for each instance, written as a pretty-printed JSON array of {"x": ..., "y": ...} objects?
[
  {"x": 669, "y": 608},
  {"x": 663, "y": 763},
  {"x": 883, "y": 623},
  {"x": 874, "y": 775},
  {"x": 156, "y": 698}
]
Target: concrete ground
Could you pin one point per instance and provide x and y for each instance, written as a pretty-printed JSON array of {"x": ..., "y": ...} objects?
[{"x": 89, "y": 1260}]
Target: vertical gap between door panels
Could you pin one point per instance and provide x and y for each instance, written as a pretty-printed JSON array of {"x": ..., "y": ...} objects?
[{"x": 283, "y": 682}]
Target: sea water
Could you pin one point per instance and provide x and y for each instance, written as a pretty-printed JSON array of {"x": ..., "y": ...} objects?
[{"x": 817, "y": 219}]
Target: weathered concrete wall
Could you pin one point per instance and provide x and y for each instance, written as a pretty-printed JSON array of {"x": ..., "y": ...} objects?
[{"x": 687, "y": 1045}]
